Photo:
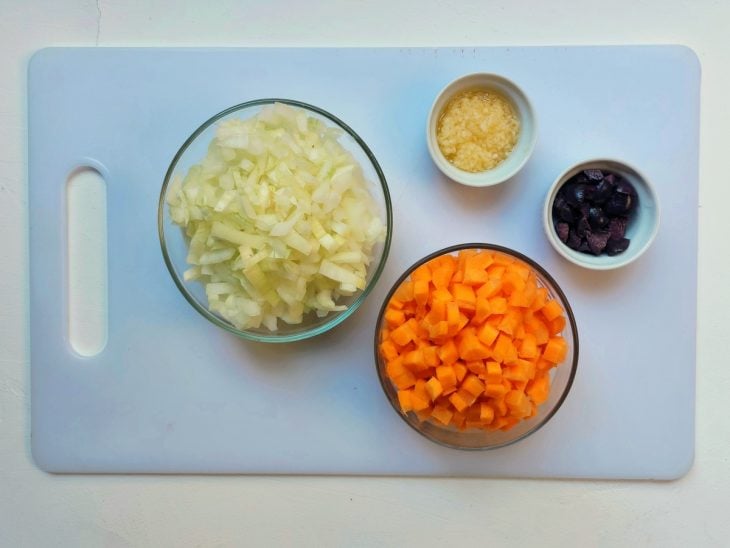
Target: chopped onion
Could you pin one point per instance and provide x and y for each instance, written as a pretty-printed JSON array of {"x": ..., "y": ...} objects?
[{"x": 279, "y": 218}]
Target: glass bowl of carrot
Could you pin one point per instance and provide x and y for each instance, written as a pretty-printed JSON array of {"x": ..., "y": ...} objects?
[{"x": 476, "y": 346}]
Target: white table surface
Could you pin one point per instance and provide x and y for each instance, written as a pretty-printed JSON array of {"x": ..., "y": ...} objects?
[{"x": 38, "y": 509}]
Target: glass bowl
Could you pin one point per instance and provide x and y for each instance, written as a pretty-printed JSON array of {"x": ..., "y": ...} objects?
[
  {"x": 479, "y": 439},
  {"x": 174, "y": 243}
]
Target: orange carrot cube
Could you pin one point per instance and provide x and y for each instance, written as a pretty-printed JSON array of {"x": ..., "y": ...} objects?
[
  {"x": 486, "y": 413},
  {"x": 487, "y": 334},
  {"x": 551, "y": 310},
  {"x": 460, "y": 371},
  {"x": 448, "y": 353},
  {"x": 404, "y": 399},
  {"x": 442, "y": 414},
  {"x": 446, "y": 376},
  {"x": 473, "y": 385},
  {"x": 555, "y": 350},
  {"x": 434, "y": 388}
]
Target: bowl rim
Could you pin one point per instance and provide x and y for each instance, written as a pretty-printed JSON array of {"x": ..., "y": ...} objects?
[
  {"x": 617, "y": 261},
  {"x": 533, "y": 264},
  {"x": 486, "y": 178},
  {"x": 336, "y": 319}
]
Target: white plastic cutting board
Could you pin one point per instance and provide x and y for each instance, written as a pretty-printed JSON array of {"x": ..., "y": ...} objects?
[{"x": 172, "y": 393}]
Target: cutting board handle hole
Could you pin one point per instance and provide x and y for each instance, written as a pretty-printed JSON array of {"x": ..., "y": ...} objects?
[{"x": 86, "y": 241}]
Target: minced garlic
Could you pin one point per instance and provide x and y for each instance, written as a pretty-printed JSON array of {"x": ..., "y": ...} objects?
[{"x": 477, "y": 130}]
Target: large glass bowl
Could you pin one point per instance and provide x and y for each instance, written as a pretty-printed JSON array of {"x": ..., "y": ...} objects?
[
  {"x": 175, "y": 245},
  {"x": 475, "y": 439}
]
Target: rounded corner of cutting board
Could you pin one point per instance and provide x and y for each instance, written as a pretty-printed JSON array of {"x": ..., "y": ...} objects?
[
  {"x": 682, "y": 465},
  {"x": 42, "y": 456}
]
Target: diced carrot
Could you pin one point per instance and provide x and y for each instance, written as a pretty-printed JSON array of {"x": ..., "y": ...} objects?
[
  {"x": 458, "y": 420},
  {"x": 504, "y": 351},
  {"x": 406, "y": 380},
  {"x": 473, "y": 417},
  {"x": 420, "y": 291},
  {"x": 512, "y": 282},
  {"x": 443, "y": 271},
  {"x": 538, "y": 389},
  {"x": 464, "y": 296},
  {"x": 498, "y": 305},
  {"x": 395, "y": 368},
  {"x": 557, "y": 325},
  {"x": 486, "y": 413},
  {"x": 460, "y": 371},
  {"x": 405, "y": 333},
  {"x": 470, "y": 347},
  {"x": 495, "y": 390},
  {"x": 477, "y": 367},
  {"x": 541, "y": 296},
  {"x": 452, "y": 316},
  {"x": 551, "y": 310},
  {"x": 469, "y": 341},
  {"x": 528, "y": 348},
  {"x": 404, "y": 293},
  {"x": 437, "y": 313},
  {"x": 473, "y": 385},
  {"x": 442, "y": 414},
  {"x": 424, "y": 414},
  {"x": 461, "y": 260},
  {"x": 430, "y": 355},
  {"x": 523, "y": 298},
  {"x": 494, "y": 320},
  {"x": 508, "y": 423},
  {"x": 446, "y": 376},
  {"x": 420, "y": 389},
  {"x": 396, "y": 304},
  {"x": 463, "y": 321},
  {"x": 475, "y": 269},
  {"x": 555, "y": 350},
  {"x": 519, "y": 385},
  {"x": 448, "y": 353},
  {"x": 520, "y": 268},
  {"x": 421, "y": 274},
  {"x": 404, "y": 399},
  {"x": 458, "y": 401},
  {"x": 489, "y": 289},
  {"x": 422, "y": 330},
  {"x": 482, "y": 310},
  {"x": 516, "y": 372},
  {"x": 537, "y": 328},
  {"x": 514, "y": 399},
  {"x": 543, "y": 365},
  {"x": 496, "y": 271},
  {"x": 511, "y": 320},
  {"x": 413, "y": 360},
  {"x": 388, "y": 349},
  {"x": 530, "y": 367},
  {"x": 434, "y": 388},
  {"x": 394, "y": 317},
  {"x": 442, "y": 294},
  {"x": 487, "y": 334},
  {"x": 438, "y": 332},
  {"x": 494, "y": 372}
]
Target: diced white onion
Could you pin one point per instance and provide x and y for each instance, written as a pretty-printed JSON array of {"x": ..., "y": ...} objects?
[{"x": 279, "y": 218}]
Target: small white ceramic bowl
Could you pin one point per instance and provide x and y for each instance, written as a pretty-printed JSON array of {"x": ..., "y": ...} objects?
[
  {"x": 525, "y": 143},
  {"x": 643, "y": 223}
]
